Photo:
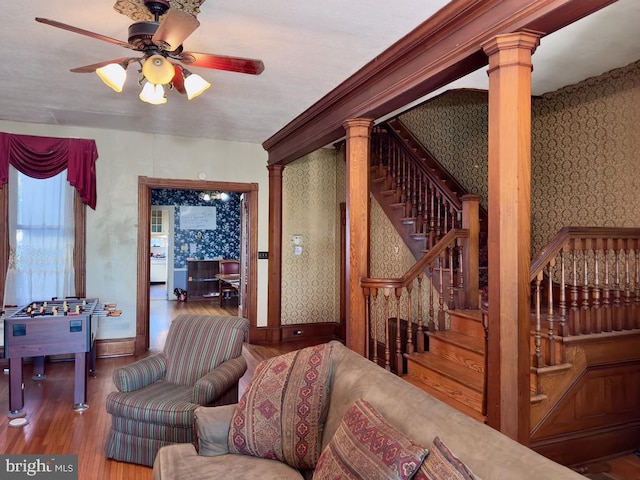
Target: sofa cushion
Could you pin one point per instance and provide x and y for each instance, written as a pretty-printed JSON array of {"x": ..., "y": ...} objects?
[
  {"x": 366, "y": 446},
  {"x": 441, "y": 463},
  {"x": 281, "y": 414}
]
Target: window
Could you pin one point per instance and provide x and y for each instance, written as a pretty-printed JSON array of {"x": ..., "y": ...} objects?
[{"x": 41, "y": 238}]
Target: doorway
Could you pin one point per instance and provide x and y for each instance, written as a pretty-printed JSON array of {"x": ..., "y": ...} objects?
[{"x": 249, "y": 235}]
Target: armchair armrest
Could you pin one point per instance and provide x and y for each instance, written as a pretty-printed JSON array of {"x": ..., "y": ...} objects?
[
  {"x": 225, "y": 376},
  {"x": 141, "y": 373},
  {"x": 211, "y": 425}
]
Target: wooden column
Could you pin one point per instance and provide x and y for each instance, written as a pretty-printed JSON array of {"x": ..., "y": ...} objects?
[
  {"x": 509, "y": 231},
  {"x": 274, "y": 303},
  {"x": 471, "y": 221},
  {"x": 357, "y": 255}
]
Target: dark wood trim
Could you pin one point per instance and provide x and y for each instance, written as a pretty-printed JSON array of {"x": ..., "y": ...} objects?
[
  {"x": 145, "y": 185},
  {"x": 320, "y": 332},
  {"x": 445, "y": 47},
  {"x": 274, "y": 301}
]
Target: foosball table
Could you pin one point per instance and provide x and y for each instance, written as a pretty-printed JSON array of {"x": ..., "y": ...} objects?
[{"x": 56, "y": 327}]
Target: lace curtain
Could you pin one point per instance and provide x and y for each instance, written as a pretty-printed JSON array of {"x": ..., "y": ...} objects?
[{"x": 41, "y": 239}]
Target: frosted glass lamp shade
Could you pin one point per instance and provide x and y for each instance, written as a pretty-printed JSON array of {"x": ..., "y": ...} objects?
[
  {"x": 158, "y": 70},
  {"x": 194, "y": 85},
  {"x": 113, "y": 75},
  {"x": 153, "y": 94}
]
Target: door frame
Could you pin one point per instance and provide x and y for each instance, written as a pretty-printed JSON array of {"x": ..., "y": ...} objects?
[{"x": 145, "y": 185}]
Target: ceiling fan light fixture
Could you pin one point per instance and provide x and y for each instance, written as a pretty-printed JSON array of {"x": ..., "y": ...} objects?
[
  {"x": 158, "y": 70},
  {"x": 194, "y": 84},
  {"x": 113, "y": 75},
  {"x": 153, "y": 94}
]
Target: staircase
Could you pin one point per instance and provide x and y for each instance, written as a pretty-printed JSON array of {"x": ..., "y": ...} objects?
[{"x": 585, "y": 320}]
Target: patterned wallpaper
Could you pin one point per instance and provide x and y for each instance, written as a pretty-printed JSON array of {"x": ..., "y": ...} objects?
[
  {"x": 585, "y": 168},
  {"x": 311, "y": 210},
  {"x": 222, "y": 242}
]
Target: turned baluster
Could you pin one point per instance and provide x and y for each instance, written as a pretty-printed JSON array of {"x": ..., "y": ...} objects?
[
  {"x": 403, "y": 179},
  {"x": 628, "y": 320},
  {"x": 387, "y": 349},
  {"x": 420, "y": 201},
  {"x": 597, "y": 311},
  {"x": 399, "y": 368},
  {"x": 537, "y": 356},
  {"x": 373, "y": 322},
  {"x": 420, "y": 334},
  {"x": 432, "y": 323},
  {"x": 410, "y": 347},
  {"x": 445, "y": 220},
  {"x": 563, "y": 298},
  {"x": 432, "y": 219},
  {"x": 617, "y": 313},
  {"x": 413, "y": 213},
  {"x": 441, "y": 315},
  {"x": 551, "y": 335},
  {"x": 452, "y": 284},
  {"x": 607, "y": 322},
  {"x": 574, "y": 319},
  {"x": 439, "y": 216},
  {"x": 461, "y": 300},
  {"x": 585, "y": 314}
]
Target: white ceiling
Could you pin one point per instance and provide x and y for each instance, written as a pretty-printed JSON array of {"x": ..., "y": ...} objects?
[{"x": 308, "y": 48}]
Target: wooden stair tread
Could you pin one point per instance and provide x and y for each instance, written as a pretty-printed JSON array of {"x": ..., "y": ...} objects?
[
  {"x": 467, "y": 342},
  {"x": 465, "y": 376},
  {"x": 470, "y": 314}
]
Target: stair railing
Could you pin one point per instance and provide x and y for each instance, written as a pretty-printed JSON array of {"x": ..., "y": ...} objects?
[
  {"x": 586, "y": 280},
  {"x": 424, "y": 197}
]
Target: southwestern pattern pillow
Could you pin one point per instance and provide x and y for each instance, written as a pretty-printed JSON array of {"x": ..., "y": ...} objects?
[
  {"x": 281, "y": 415},
  {"x": 366, "y": 447},
  {"x": 441, "y": 463}
]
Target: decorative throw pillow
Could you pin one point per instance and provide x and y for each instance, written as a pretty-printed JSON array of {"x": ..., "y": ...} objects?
[
  {"x": 441, "y": 463},
  {"x": 366, "y": 447},
  {"x": 281, "y": 415}
]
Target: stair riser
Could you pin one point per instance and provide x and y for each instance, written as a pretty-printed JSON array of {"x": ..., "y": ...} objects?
[
  {"x": 445, "y": 385},
  {"x": 462, "y": 356},
  {"x": 466, "y": 325}
]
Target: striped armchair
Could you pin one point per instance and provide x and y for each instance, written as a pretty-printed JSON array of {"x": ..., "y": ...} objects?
[{"x": 156, "y": 396}]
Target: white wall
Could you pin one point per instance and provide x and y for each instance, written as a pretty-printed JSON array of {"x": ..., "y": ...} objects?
[{"x": 112, "y": 227}]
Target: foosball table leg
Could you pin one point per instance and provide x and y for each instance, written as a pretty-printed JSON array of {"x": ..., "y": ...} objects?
[
  {"x": 16, "y": 389},
  {"x": 38, "y": 368}
]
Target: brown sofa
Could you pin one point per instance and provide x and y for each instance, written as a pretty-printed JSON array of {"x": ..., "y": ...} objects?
[{"x": 488, "y": 453}]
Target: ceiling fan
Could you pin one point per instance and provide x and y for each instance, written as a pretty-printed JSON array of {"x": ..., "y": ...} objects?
[{"x": 159, "y": 42}]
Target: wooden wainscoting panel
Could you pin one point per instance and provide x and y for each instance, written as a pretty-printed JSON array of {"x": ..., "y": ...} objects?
[{"x": 120, "y": 347}]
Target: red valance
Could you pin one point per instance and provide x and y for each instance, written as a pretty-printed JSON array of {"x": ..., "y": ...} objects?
[{"x": 45, "y": 157}]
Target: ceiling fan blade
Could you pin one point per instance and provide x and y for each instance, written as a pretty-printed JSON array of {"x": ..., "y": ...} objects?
[
  {"x": 221, "y": 62},
  {"x": 174, "y": 29},
  {"x": 87, "y": 33},
  {"x": 92, "y": 68},
  {"x": 178, "y": 79}
]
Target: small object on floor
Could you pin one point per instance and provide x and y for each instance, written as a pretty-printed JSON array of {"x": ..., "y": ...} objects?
[{"x": 18, "y": 422}]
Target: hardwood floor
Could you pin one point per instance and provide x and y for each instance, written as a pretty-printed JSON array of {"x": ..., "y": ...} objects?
[{"x": 55, "y": 428}]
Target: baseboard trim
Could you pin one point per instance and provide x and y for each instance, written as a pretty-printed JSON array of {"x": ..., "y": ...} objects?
[{"x": 119, "y": 347}]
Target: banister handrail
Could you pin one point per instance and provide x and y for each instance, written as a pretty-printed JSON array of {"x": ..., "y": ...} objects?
[
  {"x": 566, "y": 234},
  {"x": 419, "y": 266}
]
